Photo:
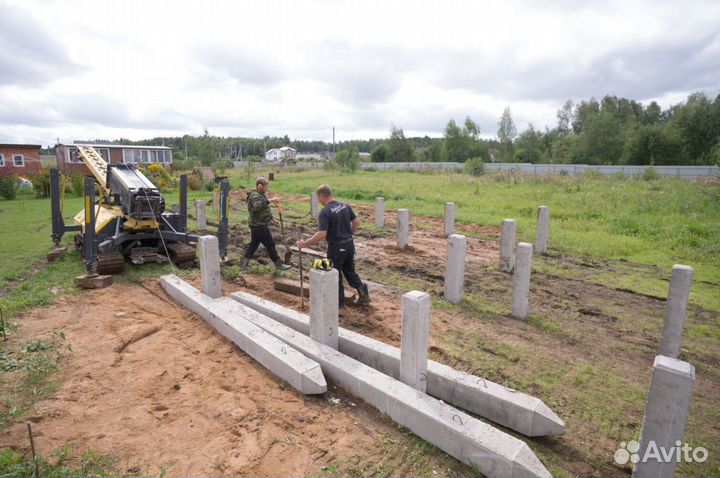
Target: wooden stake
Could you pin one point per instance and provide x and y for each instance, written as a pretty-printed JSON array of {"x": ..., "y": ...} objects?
[
  {"x": 32, "y": 447},
  {"x": 2, "y": 322}
]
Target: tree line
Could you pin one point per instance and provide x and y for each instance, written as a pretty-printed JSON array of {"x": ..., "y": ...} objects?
[{"x": 610, "y": 131}]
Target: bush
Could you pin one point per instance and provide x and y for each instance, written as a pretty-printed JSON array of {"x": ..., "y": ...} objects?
[
  {"x": 159, "y": 176},
  {"x": 209, "y": 185},
  {"x": 650, "y": 174},
  {"x": 380, "y": 154},
  {"x": 219, "y": 167},
  {"x": 194, "y": 182},
  {"x": 249, "y": 171},
  {"x": 41, "y": 183},
  {"x": 186, "y": 164},
  {"x": 77, "y": 184},
  {"x": 348, "y": 159},
  {"x": 474, "y": 167},
  {"x": 8, "y": 190}
]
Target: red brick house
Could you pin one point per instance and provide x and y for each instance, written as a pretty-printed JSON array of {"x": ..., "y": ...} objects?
[
  {"x": 19, "y": 159},
  {"x": 68, "y": 162}
]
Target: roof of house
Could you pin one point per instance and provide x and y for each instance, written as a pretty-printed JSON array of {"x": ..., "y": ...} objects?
[
  {"x": 9, "y": 145},
  {"x": 123, "y": 146},
  {"x": 287, "y": 148}
]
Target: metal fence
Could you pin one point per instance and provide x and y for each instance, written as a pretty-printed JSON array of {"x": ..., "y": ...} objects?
[{"x": 686, "y": 172}]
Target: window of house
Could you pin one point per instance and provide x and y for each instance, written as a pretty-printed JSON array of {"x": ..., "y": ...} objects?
[
  {"x": 164, "y": 156},
  {"x": 18, "y": 160},
  {"x": 2, "y": 160},
  {"x": 128, "y": 156},
  {"x": 104, "y": 153}
]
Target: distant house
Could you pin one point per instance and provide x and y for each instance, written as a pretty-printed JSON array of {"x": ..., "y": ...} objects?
[
  {"x": 284, "y": 154},
  {"x": 19, "y": 159},
  {"x": 68, "y": 161}
]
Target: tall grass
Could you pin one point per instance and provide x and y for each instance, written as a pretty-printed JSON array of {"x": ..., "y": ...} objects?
[{"x": 659, "y": 222}]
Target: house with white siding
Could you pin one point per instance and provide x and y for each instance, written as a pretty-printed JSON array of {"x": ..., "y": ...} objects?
[{"x": 284, "y": 154}]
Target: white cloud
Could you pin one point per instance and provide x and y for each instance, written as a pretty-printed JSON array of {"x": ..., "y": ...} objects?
[{"x": 137, "y": 69}]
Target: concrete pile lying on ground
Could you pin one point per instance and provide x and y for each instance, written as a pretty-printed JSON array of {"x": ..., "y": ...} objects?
[
  {"x": 491, "y": 451},
  {"x": 504, "y": 406}
]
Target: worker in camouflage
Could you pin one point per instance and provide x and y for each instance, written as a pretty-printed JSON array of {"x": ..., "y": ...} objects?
[{"x": 259, "y": 221}]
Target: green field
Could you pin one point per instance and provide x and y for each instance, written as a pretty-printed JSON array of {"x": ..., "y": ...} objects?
[
  {"x": 621, "y": 234},
  {"x": 655, "y": 223}
]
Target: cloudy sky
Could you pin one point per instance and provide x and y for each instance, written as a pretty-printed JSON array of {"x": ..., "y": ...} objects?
[{"x": 138, "y": 69}]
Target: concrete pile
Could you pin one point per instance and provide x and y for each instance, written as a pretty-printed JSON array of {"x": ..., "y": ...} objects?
[{"x": 396, "y": 382}]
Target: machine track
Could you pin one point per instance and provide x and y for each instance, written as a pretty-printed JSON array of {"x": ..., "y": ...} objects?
[
  {"x": 111, "y": 263},
  {"x": 181, "y": 254}
]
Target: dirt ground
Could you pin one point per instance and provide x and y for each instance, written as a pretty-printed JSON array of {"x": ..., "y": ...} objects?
[{"x": 150, "y": 381}]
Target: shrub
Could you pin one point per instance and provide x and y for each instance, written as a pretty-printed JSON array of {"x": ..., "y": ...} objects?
[
  {"x": 219, "y": 167},
  {"x": 650, "y": 174},
  {"x": 249, "y": 171},
  {"x": 77, "y": 184},
  {"x": 474, "y": 167},
  {"x": 159, "y": 176},
  {"x": 41, "y": 183},
  {"x": 186, "y": 164},
  {"x": 209, "y": 185},
  {"x": 8, "y": 190},
  {"x": 348, "y": 159},
  {"x": 194, "y": 182}
]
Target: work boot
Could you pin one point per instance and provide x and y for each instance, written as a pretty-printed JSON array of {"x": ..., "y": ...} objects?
[
  {"x": 244, "y": 264},
  {"x": 363, "y": 297},
  {"x": 281, "y": 266}
]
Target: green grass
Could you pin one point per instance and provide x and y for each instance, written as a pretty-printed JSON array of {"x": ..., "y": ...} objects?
[
  {"x": 44, "y": 286},
  {"x": 403, "y": 455},
  {"x": 627, "y": 233},
  {"x": 27, "y": 374},
  {"x": 25, "y": 229},
  {"x": 63, "y": 462},
  {"x": 659, "y": 223}
]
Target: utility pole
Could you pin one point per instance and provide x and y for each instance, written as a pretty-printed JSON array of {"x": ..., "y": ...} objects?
[{"x": 333, "y": 149}]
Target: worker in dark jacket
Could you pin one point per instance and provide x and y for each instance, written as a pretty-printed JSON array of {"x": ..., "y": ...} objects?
[
  {"x": 259, "y": 220},
  {"x": 336, "y": 224}
]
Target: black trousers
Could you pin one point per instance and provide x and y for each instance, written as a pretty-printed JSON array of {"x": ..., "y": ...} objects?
[
  {"x": 343, "y": 259},
  {"x": 262, "y": 235}
]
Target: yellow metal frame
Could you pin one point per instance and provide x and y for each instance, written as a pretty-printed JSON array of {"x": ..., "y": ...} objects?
[{"x": 104, "y": 213}]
